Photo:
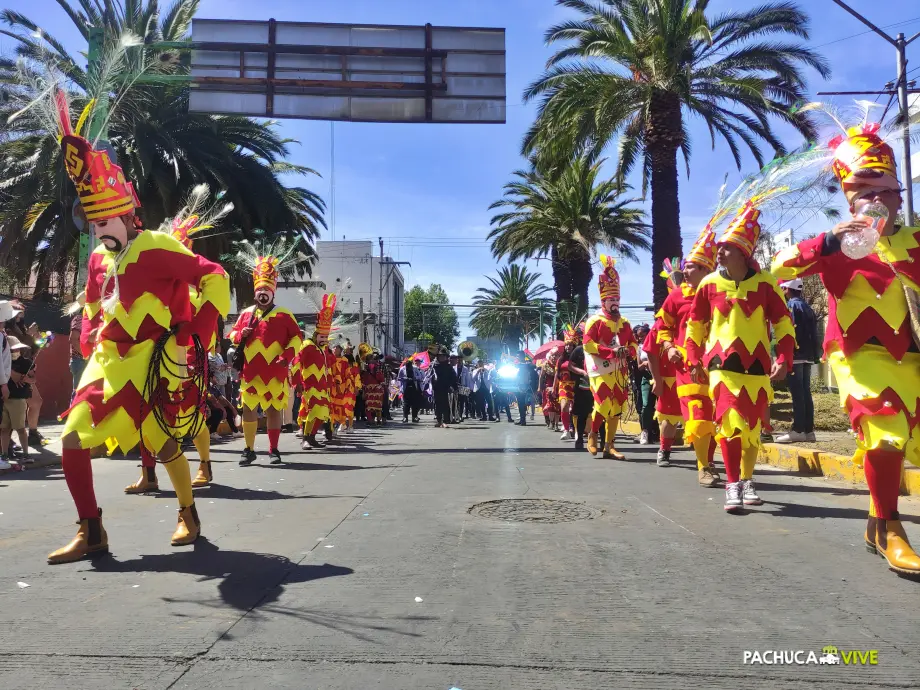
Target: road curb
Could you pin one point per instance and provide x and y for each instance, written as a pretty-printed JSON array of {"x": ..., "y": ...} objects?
[{"x": 814, "y": 463}]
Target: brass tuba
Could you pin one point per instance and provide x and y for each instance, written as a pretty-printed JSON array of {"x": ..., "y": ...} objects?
[
  {"x": 364, "y": 351},
  {"x": 467, "y": 349}
]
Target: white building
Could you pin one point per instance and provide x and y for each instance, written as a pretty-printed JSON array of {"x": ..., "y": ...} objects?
[{"x": 353, "y": 272}]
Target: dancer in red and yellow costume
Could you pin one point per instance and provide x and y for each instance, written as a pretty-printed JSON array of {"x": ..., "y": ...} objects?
[
  {"x": 728, "y": 335},
  {"x": 374, "y": 386},
  {"x": 608, "y": 342},
  {"x": 270, "y": 338},
  {"x": 191, "y": 221},
  {"x": 664, "y": 385},
  {"x": 315, "y": 377},
  {"x": 351, "y": 385},
  {"x": 138, "y": 321},
  {"x": 696, "y": 406},
  {"x": 336, "y": 401},
  {"x": 550, "y": 403},
  {"x": 564, "y": 386},
  {"x": 870, "y": 342}
]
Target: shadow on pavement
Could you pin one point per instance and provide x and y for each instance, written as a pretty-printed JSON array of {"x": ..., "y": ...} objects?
[
  {"x": 242, "y": 494},
  {"x": 834, "y": 490},
  {"x": 246, "y": 579},
  {"x": 799, "y": 510},
  {"x": 297, "y": 465}
]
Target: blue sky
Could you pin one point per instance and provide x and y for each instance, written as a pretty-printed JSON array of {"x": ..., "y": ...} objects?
[{"x": 426, "y": 188}]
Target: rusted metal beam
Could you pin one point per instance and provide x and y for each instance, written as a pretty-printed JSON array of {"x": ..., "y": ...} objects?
[
  {"x": 230, "y": 47},
  {"x": 317, "y": 83},
  {"x": 428, "y": 78},
  {"x": 270, "y": 73}
]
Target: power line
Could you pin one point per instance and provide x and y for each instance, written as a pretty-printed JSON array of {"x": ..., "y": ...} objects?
[{"x": 868, "y": 31}]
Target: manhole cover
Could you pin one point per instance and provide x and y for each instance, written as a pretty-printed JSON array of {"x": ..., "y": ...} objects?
[{"x": 534, "y": 510}]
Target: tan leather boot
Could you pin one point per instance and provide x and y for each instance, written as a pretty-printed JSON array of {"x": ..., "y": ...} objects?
[
  {"x": 592, "y": 444},
  {"x": 871, "y": 534},
  {"x": 892, "y": 545},
  {"x": 707, "y": 479},
  {"x": 611, "y": 453},
  {"x": 91, "y": 539},
  {"x": 204, "y": 476},
  {"x": 147, "y": 482},
  {"x": 189, "y": 526}
]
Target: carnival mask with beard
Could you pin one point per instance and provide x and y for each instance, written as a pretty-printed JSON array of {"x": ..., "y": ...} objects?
[
  {"x": 113, "y": 232},
  {"x": 264, "y": 297}
]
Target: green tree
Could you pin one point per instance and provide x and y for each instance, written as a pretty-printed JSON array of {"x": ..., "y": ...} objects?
[
  {"x": 162, "y": 147},
  {"x": 441, "y": 323},
  {"x": 567, "y": 216},
  {"x": 515, "y": 286},
  {"x": 636, "y": 71}
]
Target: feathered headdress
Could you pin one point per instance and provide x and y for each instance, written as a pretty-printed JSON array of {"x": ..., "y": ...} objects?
[
  {"x": 608, "y": 282},
  {"x": 268, "y": 260},
  {"x": 744, "y": 230},
  {"x": 572, "y": 335},
  {"x": 325, "y": 316},
  {"x": 101, "y": 185},
  {"x": 196, "y": 216},
  {"x": 672, "y": 272},
  {"x": 863, "y": 157}
]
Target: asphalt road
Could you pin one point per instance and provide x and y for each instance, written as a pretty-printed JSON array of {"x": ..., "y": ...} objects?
[{"x": 361, "y": 566}]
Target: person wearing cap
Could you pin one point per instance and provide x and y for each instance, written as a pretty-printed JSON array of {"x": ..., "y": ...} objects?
[
  {"x": 6, "y": 313},
  {"x": 696, "y": 406},
  {"x": 609, "y": 343},
  {"x": 806, "y": 354},
  {"x": 443, "y": 379},
  {"x": 13, "y": 415},
  {"x": 871, "y": 340},
  {"x": 138, "y": 318},
  {"x": 728, "y": 336}
]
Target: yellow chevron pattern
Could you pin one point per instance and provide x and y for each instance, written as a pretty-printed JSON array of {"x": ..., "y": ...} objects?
[
  {"x": 736, "y": 383},
  {"x": 865, "y": 374},
  {"x": 145, "y": 240},
  {"x": 273, "y": 394},
  {"x": 257, "y": 347},
  {"x": 733, "y": 425},
  {"x": 116, "y": 430},
  {"x": 859, "y": 296},
  {"x": 781, "y": 271},
  {"x": 105, "y": 364},
  {"x": 313, "y": 370}
]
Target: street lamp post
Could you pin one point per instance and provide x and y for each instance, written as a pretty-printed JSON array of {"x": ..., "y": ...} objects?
[{"x": 900, "y": 43}]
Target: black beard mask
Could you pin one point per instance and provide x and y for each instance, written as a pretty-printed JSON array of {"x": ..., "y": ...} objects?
[{"x": 116, "y": 243}]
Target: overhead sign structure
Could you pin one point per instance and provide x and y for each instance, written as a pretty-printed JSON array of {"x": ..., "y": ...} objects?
[{"x": 349, "y": 72}]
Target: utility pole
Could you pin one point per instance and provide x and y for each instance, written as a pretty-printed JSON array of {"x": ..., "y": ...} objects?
[
  {"x": 900, "y": 43},
  {"x": 380, "y": 294},
  {"x": 363, "y": 330},
  {"x": 87, "y": 240},
  {"x": 542, "y": 305}
]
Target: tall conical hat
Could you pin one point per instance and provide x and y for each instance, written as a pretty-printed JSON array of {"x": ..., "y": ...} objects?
[{"x": 608, "y": 282}]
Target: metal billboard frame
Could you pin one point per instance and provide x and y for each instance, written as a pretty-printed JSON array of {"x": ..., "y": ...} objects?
[{"x": 405, "y": 71}]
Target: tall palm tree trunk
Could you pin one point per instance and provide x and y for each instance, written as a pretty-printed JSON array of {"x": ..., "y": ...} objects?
[
  {"x": 582, "y": 270},
  {"x": 562, "y": 283},
  {"x": 662, "y": 141}
]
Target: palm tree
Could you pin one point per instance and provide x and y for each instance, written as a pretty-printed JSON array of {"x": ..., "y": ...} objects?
[
  {"x": 567, "y": 217},
  {"x": 637, "y": 70},
  {"x": 162, "y": 147},
  {"x": 515, "y": 286}
]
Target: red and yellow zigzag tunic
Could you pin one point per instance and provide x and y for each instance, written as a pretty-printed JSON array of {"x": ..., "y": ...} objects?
[
  {"x": 667, "y": 406},
  {"x": 334, "y": 365},
  {"x": 696, "y": 407},
  {"x": 268, "y": 354},
  {"x": 728, "y": 331},
  {"x": 608, "y": 376},
  {"x": 340, "y": 387},
  {"x": 868, "y": 340},
  {"x": 154, "y": 277},
  {"x": 315, "y": 400},
  {"x": 351, "y": 384}
]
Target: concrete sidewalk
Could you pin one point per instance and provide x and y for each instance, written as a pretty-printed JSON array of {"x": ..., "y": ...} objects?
[{"x": 385, "y": 561}]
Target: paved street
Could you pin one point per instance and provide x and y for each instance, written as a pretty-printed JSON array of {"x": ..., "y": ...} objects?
[{"x": 362, "y": 567}]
